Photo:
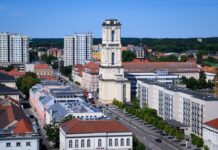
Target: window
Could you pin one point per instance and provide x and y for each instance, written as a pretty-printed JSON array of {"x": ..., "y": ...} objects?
[
  {"x": 122, "y": 142},
  {"x": 76, "y": 143},
  {"x": 8, "y": 144},
  {"x": 110, "y": 142},
  {"x": 18, "y": 144},
  {"x": 112, "y": 59},
  {"x": 88, "y": 143},
  {"x": 116, "y": 142},
  {"x": 27, "y": 143},
  {"x": 70, "y": 144},
  {"x": 112, "y": 36},
  {"x": 99, "y": 142},
  {"x": 82, "y": 143},
  {"x": 128, "y": 142},
  {"x": 124, "y": 92}
]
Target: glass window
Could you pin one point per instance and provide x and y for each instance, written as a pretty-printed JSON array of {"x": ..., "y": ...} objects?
[
  {"x": 112, "y": 58},
  {"x": 88, "y": 143},
  {"x": 110, "y": 142},
  {"x": 122, "y": 142},
  {"x": 128, "y": 142},
  {"x": 70, "y": 144},
  {"x": 76, "y": 143},
  {"x": 27, "y": 143},
  {"x": 8, "y": 144},
  {"x": 99, "y": 142},
  {"x": 18, "y": 144},
  {"x": 112, "y": 36},
  {"x": 116, "y": 142},
  {"x": 82, "y": 143}
]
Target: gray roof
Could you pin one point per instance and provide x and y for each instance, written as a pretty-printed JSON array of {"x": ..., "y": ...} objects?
[
  {"x": 45, "y": 82},
  {"x": 8, "y": 90},
  {"x": 199, "y": 95},
  {"x": 57, "y": 112},
  {"x": 6, "y": 78},
  {"x": 45, "y": 99}
]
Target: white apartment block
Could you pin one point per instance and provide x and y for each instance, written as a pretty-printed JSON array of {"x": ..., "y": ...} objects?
[
  {"x": 13, "y": 49},
  {"x": 178, "y": 104},
  {"x": 77, "y": 49},
  {"x": 95, "y": 134}
]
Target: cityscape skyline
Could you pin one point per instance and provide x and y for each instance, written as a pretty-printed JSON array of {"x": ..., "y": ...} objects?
[{"x": 154, "y": 19}]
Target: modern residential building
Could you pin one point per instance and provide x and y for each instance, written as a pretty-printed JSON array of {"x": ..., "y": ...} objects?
[
  {"x": 77, "y": 49},
  {"x": 95, "y": 134},
  {"x": 111, "y": 72},
  {"x": 16, "y": 130},
  {"x": 182, "y": 105},
  {"x": 13, "y": 49},
  {"x": 210, "y": 134},
  {"x": 90, "y": 76}
]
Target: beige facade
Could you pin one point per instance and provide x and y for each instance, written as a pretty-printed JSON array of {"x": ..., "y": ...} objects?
[{"x": 112, "y": 84}]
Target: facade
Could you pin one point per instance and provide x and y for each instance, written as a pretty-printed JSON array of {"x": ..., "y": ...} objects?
[
  {"x": 96, "y": 134},
  {"x": 77, "y": 49},
  {"x": 13, "y": 49},
  {"x": 180, "y": 104},
  {"x": 43, "y": 70},
  {"x": 210, "y": 134},
  {"x": 90, "y": 77},
  {"x": 77, "y": 72},
  {"x": 16, "y": 130},
  {"x": 56, "y": 52},
  {"x": 111, "y": 72}
]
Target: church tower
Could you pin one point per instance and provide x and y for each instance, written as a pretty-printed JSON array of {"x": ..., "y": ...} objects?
[{"x": 112, "y": 84}]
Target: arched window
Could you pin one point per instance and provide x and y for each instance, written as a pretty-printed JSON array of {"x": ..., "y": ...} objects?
[
  {"x": 70, "y": 144},
  {"x": 116, "y": 142},
  {"x": 128, "y": 142},
  {"x": 82, "y": 143},
  {"x": 88, "y": 143},
  {"x": 99, "y": 142},
  {"x": 110, "y": 142},
  {"x": 112, "y": 59},
  {"x": 76, "y": 143},
  {"x": 112, "y": 35},
  {"x": 124, "y": 92},
  {"x": 122, "y": 142}
]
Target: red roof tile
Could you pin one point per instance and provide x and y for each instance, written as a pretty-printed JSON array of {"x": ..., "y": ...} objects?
[
  {"x": 77, "y": 126},
  {"x": 23, "y": 126},
  {"x": 212, "y": 123},
  {"x": 42, "y": 66}
]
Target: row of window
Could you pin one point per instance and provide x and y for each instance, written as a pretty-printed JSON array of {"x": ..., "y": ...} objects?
[
  {"x": 88, "y": 143},
  {"x": 18, "y": 144}
]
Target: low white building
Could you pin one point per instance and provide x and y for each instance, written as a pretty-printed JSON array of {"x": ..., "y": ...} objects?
[
  {"x": 95, "y": 134},
  {"x": 210, "y": 134},
  {"x": 178, "y": 104}
]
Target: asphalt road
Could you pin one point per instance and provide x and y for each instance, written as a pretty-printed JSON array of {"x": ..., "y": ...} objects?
[{"x": 145, "y": 133}]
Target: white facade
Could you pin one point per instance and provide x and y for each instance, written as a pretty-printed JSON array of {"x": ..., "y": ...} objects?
[
  {"x": 111, "y": 71},
  {"x": 210, "y": 137},
  {"x": 19, "y": 143},
  {"x": 77, "y": 49},
  {"x": 13, "y": 48},
  {"x": 94, "y": 141},
  {"x": 174, "y": 103}
]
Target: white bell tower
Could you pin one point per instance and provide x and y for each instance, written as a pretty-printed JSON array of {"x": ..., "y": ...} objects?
[{"x": 112, "y": 84}]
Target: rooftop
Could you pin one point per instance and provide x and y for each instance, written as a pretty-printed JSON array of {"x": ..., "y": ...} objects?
[
  {"x": 42, "y": 66},
  {"x": 199, "y": 95},
  {"x": 6, "y": 78},
  {"x": 77, "y": 126},
  {"x": 212, "y": 123},
  {"x": 8, "y": 90}
]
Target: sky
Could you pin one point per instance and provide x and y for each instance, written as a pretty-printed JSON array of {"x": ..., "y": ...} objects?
[{"x": 139, "y": 18}]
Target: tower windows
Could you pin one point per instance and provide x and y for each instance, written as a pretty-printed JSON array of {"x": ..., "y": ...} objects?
[
  {"x": 112, "y": 59},
  {"x": 112, "y": 36},
  {"x": 124, "y": 93}
]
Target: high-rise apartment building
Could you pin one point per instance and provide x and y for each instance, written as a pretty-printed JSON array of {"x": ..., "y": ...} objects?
[
  {"x": 77, "y": 49},
  {"x": 13, "y": 49}
]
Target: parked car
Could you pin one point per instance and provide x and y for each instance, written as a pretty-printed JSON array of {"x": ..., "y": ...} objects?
[{"x": 158, "y": 140}]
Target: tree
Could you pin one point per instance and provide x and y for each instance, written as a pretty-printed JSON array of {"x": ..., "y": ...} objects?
[
  {"x": 128, "y": 56},
  {"x": 184, "y": 58},
  {"x": 67, "y": 118},
  {"x": 206, "y": 147},
  {"x": 135, "y": 102},
  {"x": 33, "y": 56},
  {"x": 180, "y": 136},
  {"x": 52, "y": 133},
  {"x": 66, "y": 70},
  {"x": 55, "y": 65}
]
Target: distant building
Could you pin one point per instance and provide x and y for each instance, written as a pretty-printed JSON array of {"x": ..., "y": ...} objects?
[
  {"x": 176, "y": 104},
  {"x": 77, "y": 49},
  {"x": 210, "y": 134},
  {"x": 7, "y": 80},
  {"x": 6, "y": 91},
  {"x": 95, "y": 134},
  {"x": 77, "y": 71},
  {"x": 43, "y": 71},
  {"x": 56, "y": 52},
  {"x": 13, "y": 49},
  {"x": 16, "y": 130}
]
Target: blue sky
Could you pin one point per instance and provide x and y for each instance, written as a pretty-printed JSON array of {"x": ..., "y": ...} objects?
[{"x": 139, "y": 18}]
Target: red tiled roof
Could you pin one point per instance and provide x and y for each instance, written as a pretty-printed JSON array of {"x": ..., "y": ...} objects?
[
  {"x": 78, "y": 68},
  {"x": 77, "y": 126},
  {"x": 42, "y": 66},
  {"x": 23, "y": 126},
  {"x": 173, "y": 67},
  {"x": 92, "y": 67},
  {"x": 15, "y": 72},
  {"x": 212, "y": 123}
]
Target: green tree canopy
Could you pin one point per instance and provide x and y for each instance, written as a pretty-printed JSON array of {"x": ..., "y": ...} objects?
[{"x": 128, "y": 56}]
